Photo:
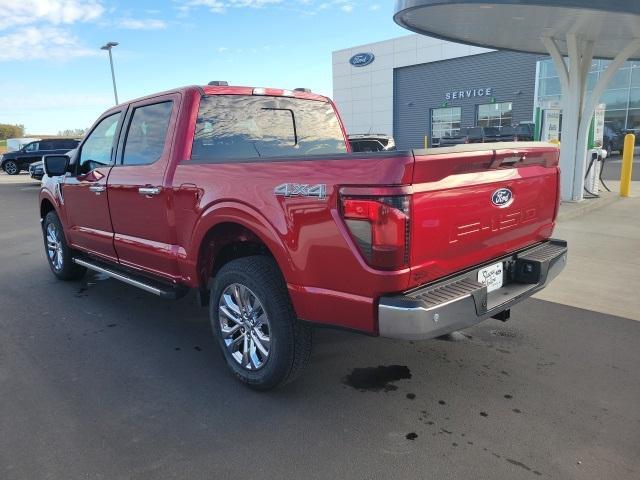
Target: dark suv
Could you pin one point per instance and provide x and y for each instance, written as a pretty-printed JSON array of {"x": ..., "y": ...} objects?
[
  {"x": 471, "y": 135},
  {"x": 14, "y": 162}
]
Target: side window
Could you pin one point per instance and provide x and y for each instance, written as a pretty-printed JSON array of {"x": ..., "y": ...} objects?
[
  {"x": 32, "y": 147},
  {"x": 147, "y": 134},
  {"x": 47, "y": 145},
  {"x": 96, "y": 151}
]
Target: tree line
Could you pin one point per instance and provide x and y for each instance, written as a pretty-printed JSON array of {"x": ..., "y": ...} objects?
[{"x": 11, "y": 131}]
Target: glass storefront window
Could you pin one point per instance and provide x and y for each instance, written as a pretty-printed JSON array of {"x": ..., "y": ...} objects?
[
  {"x": 494, "y": 114},
  {"x": 634, "y": 98},
  {"x": 615, "y": 99},
  {"x": 622, "y": 93},
  {"x": 445, "y": 121},
  {"x": 620, "y": 79},
  {"x": 550, "y": 86},
  {"x": 635, "y": 77},
  {"x": 633, "y": 122},
  {"x": 615, "y": 119}
]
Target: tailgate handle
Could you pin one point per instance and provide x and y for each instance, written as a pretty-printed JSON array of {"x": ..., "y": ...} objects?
[{"x": 512, "y": 160}]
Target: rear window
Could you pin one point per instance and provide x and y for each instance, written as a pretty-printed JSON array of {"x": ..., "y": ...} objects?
[
  {"x": 507, "y": 130},
  {"x": 475, "y": 131},
  {"x": 234, "y": 127},
  {"x": 524, "y": 128},
  {"x": 491, "y": 131}
]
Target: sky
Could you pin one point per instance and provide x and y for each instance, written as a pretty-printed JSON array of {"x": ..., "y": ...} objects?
[{"x": 53, "y": 75}]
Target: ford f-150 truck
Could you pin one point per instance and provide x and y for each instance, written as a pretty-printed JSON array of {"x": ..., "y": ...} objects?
[{"x": 252, "y": 197}]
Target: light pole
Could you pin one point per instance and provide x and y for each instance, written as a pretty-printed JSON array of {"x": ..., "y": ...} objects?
[{"x": 108, "y": 46}]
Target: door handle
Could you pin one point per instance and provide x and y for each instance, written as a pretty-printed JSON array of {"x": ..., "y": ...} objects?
[
  {"x": 148, "y": 191},
  {"x": 97, "y": 188}
]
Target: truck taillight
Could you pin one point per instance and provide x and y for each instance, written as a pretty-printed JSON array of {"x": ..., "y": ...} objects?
[{"x": 380, "y": 228}]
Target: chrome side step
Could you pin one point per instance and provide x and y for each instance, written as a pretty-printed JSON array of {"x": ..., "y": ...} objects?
[{"x": 148, "y": 285}]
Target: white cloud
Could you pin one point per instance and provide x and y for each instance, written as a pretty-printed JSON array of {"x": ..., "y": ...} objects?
[
  {"x": 32, "y": 43},
  {"x": 26, "y": 12},
  {"x": 142, "y": 24},
  {"x": 220, "y": 6},
  {"x": 348, "y": 8}
]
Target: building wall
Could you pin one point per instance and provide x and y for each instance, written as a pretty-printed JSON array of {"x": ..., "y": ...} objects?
[
  {"x": 420, "y": 88},
  {"x": 364, "y": 95}
]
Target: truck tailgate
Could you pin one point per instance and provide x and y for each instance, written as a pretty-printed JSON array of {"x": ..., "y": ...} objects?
[{"x": 474, "y": 204}]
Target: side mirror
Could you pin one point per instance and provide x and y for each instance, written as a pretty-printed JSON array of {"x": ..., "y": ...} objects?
[{"x": 55, "y": 165}]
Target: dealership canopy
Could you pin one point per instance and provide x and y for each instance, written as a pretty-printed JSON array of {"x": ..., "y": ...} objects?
[{"x": 578, "y": 29}]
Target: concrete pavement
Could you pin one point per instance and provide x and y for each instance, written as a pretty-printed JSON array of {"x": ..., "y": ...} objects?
[{"x": 603, "y": 271}]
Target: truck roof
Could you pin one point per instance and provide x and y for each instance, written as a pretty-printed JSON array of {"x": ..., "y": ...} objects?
[{"x": 237, "y": 90}]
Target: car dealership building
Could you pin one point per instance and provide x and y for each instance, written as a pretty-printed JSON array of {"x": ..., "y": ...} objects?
[{"x": 416, "y": 87}]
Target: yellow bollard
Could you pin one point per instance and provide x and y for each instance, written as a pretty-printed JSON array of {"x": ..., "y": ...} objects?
[
  {"x": 426, "y": 142},
  {"x": 627, "y": 164}
]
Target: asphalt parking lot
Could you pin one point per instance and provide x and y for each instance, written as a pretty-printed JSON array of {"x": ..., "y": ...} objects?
[{"x": 101, "y": 381}]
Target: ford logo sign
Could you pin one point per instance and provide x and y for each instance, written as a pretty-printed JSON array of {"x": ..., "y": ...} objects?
[
  {"x": 362, "y": 59},
  {"x": 502, "y": 197}
]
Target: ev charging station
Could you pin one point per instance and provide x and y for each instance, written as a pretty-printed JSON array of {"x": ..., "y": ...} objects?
[{"x": 548, "y": 128}]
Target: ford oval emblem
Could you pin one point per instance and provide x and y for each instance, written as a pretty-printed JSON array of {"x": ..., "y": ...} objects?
[
  {"x": 362, "y": 59},
  {"x": 502, "y": 197}
]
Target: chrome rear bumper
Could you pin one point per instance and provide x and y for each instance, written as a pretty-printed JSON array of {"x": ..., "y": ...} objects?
[{"x": 460, "y": 302}]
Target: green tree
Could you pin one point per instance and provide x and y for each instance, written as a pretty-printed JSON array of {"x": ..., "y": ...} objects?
[{"x": 11, "y": 131}]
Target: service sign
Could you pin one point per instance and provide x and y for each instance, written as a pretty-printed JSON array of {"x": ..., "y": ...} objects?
[{"x": 362, "y": 59}]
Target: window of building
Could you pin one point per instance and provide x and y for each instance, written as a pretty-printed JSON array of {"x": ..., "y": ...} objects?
[
  {"x": 445, "y": 122},
  {"x": 147, "y": 133},
  {"x": 495, "y": 114}
]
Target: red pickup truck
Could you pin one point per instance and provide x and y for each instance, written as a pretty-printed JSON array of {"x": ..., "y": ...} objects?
[{"x": 252, "y": 197}]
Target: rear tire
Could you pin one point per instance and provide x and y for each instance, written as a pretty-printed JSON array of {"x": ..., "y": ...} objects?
[
  {"x": 11, "y": 167},
  {"x": 59, "y": 255},
  {"x": 261, "y": 340}
]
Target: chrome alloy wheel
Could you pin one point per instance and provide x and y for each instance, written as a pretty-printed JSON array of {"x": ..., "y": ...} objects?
[
  {"x": 244, "y": 326},
  {"x": 11, "y": 168},
  {"x": 54, "y": 246}
]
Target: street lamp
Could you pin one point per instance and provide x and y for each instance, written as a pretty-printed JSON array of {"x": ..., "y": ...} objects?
[{"x": 108, "y": 46}]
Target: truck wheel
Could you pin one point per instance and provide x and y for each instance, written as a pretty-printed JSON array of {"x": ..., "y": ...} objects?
[
  {"x": 11, "y": 167},
  {"x": 262, "y": 341},
  {"x": 58, "y": 252}
]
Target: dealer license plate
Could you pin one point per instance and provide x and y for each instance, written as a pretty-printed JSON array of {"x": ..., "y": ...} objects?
[{"x": 491, "y": 276}]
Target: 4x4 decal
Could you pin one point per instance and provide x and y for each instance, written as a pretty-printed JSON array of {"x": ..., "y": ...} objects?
[{"x": 318, "y": 191}]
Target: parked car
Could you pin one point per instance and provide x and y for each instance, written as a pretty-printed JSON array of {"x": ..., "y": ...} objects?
[
  {"x": 371, "y": 143},
  {"x": 471, "y": 135},
  {"x": 13, "y": 162},
  {"x": 251, "y": 197},
  {"x": 36, "y": 170},
  {"x": 525, "y": 132},
  {"x": 508, "y": 134}
]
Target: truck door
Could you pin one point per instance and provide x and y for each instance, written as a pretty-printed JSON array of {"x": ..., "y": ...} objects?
[
  {"x": 140, "y": 199},
  {"x": 85, "y": 196}
]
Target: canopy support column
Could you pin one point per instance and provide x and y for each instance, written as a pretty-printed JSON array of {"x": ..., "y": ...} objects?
[{"x": 578, "y": 106}]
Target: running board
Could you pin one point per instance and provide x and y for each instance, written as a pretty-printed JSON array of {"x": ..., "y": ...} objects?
[{"x": 157, "y": 288}]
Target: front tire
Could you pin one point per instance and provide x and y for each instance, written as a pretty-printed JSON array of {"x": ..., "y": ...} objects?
[
  {"x": 262, "y": 341},
  {"x": 59, "y": 255},
  {"x": 11, "y": 167}
]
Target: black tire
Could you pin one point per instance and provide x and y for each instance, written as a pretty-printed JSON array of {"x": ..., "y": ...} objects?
[
  {"x": 64, "y": 269},
  {"x": 290, "y": 340},
  {"x": 11, "y": 167}
]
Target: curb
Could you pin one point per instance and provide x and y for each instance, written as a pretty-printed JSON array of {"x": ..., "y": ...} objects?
[{"x": 571, "y": 210}]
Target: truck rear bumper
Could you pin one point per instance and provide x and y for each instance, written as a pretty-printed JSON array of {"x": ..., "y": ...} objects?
[{"x": 461, "y": 301}]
